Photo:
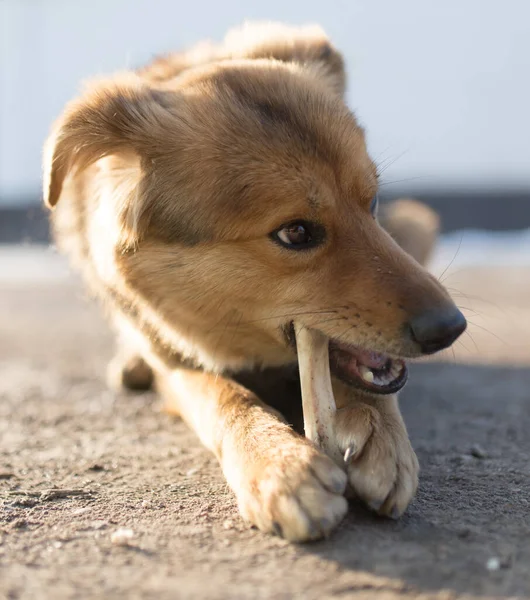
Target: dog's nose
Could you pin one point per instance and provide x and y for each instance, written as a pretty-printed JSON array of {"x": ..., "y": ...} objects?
[{"x": 437, "y": 329}]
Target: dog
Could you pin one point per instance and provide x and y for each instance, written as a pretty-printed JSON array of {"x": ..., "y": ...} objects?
[{"x": 209, "y": 200}]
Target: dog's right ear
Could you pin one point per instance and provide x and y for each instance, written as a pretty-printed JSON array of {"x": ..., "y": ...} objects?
[{"x": 123, "y": 114}]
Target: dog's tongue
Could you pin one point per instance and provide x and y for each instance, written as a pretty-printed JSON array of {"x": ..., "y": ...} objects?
[
  {"x": 372, "y": 360},
  {"x": 352, "y": 358}
]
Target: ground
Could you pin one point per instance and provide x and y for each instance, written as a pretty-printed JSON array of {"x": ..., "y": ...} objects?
[{"x": 78, "y": 462}]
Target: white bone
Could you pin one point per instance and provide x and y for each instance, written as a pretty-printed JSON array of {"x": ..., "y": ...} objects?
[{"x": 318, "y": 402}]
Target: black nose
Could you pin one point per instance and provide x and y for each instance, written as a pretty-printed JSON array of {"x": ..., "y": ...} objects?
[{"x": 437, "y": 329}]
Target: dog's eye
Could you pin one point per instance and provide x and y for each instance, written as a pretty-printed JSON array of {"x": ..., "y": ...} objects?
[
  {"x": 374, "y": 206},
  {"x": 295, "y": 234},
  {"x": 298, "y": 235}
]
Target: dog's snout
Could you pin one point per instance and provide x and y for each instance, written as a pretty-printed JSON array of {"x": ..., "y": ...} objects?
[{"x": 435, "y": 330}]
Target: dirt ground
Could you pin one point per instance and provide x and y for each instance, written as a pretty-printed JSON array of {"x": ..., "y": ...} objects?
[{"x": 78, "y": 462}]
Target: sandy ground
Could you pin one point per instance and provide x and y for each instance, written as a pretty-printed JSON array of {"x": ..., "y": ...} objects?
[{"x": 78, "y": 462}]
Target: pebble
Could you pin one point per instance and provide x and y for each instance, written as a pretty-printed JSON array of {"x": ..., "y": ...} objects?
[
  {"x": 122, "y": 537},
  {"x": 493, "y": 564},
  {"x": 478, "y": 451},
  {"x": 96, "y": 467},
  {"x": 81, "y": 511}
]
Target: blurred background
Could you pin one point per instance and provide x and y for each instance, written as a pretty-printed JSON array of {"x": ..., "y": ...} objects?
[{"x": 442, "y": 88}]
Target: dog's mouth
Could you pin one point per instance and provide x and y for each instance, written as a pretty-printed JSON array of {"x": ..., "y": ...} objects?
[{"x": 372, "y": 371}]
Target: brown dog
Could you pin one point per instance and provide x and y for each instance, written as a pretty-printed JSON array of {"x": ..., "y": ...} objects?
[{"x": 210, "y": 200}]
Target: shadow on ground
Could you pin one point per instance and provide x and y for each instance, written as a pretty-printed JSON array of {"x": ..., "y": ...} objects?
[{"x": 469, "y": 527}]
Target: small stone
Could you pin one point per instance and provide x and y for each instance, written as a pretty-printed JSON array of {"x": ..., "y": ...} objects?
[
  {"x": 192, "y": 472},
  {"x": 26, "y": 502},
  {"x": 493, "y": 564},
  {"x": 478, "y": 452},
  {"x": 228, "y": 524},
  {"x": 122, "y": 537},
  {"x": 464, "y": 532},
  {"x": 81, "y": 511},
  {"x": 96, "y": 467}
]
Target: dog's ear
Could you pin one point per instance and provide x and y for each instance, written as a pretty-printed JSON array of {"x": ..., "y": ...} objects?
[
  {"x": 308, "y": 46},
  {"x": 120, "y": 115}
]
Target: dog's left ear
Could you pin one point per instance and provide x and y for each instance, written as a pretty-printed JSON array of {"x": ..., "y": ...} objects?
[
  {"x": 114, "y": 116},
  {"x": 307, "y": 45}
]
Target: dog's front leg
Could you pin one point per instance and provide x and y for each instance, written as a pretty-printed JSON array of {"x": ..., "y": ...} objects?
[
  {"x": 382, "y": 466},
  {"x": 283, "y": 484}
]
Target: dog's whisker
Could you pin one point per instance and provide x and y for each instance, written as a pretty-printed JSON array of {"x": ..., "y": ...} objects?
[
  {"x": 229, "y": 315},
  {"x": 225, "y": 315},
  {"x": 235, "y": 329},
  {"x": 387, "y": 163},
  {"x": 453, "y": 273},
  {"x": 440, "y": 278},
  {"x": 346, "y": 332},
  {"x": 490, "y": 332},
  {"x": 459, "y": 341},
  {"x": 287, "y": 316},
  {"x": 318, "y": 323},
  {"x": 469, "y": 309},
  {"x": 379, "y": 157},
  {"x": 454, "y": 355},
  {"x": 473, "y": 340},
  {"x": 458, "y": 293},
  {"x": 400, "y": 181}
]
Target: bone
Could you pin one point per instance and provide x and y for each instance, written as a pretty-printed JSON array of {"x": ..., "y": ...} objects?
[{"x": 318, "y": 402}]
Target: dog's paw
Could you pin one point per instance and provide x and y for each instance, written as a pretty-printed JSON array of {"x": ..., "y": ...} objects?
[
  {"x": 381, "y": 464},
  {"x": 292, "y": 490},
  {"x": 130, "y": 372}
]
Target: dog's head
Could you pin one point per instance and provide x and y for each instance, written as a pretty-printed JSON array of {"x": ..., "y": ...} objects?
[{"x": 244, "y": 199}]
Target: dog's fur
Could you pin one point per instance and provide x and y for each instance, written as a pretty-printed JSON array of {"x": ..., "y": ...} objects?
[{"x": 168, "y": 182}]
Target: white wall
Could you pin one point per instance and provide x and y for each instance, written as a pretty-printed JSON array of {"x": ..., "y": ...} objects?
[{"x": 442, "y": 86}]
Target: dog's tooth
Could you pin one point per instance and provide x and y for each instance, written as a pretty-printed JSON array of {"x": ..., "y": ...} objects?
[
  {"x": 395, "y": 370},
  {"x": 366, "y": 374}
]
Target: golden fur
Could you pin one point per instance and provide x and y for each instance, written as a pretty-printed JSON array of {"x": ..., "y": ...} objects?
[{"x": 168, "y": 182}]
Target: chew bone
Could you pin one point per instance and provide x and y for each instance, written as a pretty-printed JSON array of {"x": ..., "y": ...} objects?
[{"x": 318, "y": 402}]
